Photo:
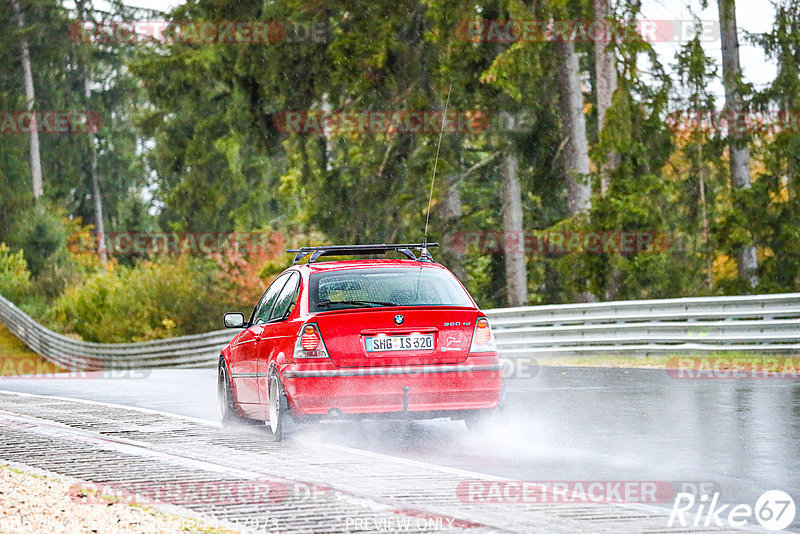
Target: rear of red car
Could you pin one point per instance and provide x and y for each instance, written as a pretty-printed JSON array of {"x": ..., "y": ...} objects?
[{"x": 393, "y": 337}]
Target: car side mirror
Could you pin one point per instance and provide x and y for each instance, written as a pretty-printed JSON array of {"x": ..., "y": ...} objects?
[{"x": 233, "y": 320}]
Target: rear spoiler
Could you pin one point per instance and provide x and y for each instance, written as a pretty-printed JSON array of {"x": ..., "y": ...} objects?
[{"x": 357, "y": 250}]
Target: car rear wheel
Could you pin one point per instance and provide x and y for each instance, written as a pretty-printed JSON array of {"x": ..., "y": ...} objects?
[
  {"x": 227, "y": 410},
  {"x": 278, "y": 408}
]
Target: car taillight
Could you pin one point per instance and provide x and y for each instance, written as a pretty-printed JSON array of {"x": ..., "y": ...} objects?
[
  {"x": 482, "y": 338},
  {"x": 309, "y": 339},
  {"x": 309, "y": 343}
]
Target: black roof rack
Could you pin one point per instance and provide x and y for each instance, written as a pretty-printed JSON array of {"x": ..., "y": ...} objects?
[{"x": 356, "y": 250}]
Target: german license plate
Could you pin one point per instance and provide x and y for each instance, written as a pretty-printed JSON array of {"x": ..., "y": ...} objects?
[{"x": 394, "y": 343}]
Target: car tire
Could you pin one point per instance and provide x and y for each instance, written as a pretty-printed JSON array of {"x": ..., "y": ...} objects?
[
  {"x": 227, "y": 408},
  {"x": 278, "y": 408}
]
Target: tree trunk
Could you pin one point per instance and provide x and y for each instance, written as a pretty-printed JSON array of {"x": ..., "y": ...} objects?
[
  {"x": 605, "y": 85},
  {"x": 86, "y": 80},
  {"x": 737, "y": 144},
  {"x": 516, "y": 271},
  {"x": 98, "y": 203},
  {"x": 705, "y": 236},
  {"x": 30, "y": 98},
  {"x": 450, "y": 210},
  {"x": 579, "y": 188}
]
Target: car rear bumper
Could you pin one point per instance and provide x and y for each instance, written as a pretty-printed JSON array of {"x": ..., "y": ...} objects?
[{"x": 324, "y": 389}]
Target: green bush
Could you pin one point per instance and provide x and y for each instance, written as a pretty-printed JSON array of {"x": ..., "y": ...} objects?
[
  {"x": 41, "y": 235},
  {"x": 15, "y": 280},
  {"x": 154, "y": 299}
]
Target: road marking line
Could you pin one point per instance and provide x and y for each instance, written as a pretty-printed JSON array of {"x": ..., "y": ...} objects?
[{"x": 115, "y": 405}]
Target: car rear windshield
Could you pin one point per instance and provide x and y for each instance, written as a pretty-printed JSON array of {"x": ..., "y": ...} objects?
[{"x": 357, "y": 288}]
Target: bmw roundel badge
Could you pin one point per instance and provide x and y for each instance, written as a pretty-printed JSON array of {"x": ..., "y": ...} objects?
[{"x": 398, "y": 319}]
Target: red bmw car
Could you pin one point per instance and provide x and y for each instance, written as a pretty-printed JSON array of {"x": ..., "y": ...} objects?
[{"x": 397, "y": 338}]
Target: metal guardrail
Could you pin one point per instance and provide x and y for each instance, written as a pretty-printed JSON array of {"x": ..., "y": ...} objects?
[
  {"x": 199, "y": 350},
  {"x": 757, "y": 323},
  {"x": 754, "y": 323}
]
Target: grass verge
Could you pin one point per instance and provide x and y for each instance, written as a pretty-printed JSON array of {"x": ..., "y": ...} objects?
[
  {"x": 775, "y": 363},
  {"x": 17, "y": 359}
]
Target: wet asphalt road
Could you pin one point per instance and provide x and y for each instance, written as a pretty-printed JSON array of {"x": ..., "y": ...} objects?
[{"x": 741, "y": 437}]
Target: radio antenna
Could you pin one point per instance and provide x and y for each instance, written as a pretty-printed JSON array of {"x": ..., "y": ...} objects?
[{"x": 435, "y": 163}]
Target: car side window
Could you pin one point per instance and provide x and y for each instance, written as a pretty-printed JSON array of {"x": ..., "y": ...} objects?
[
  {"x": 261, "y": 313},
  {"x": 286, "y": 299}
]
